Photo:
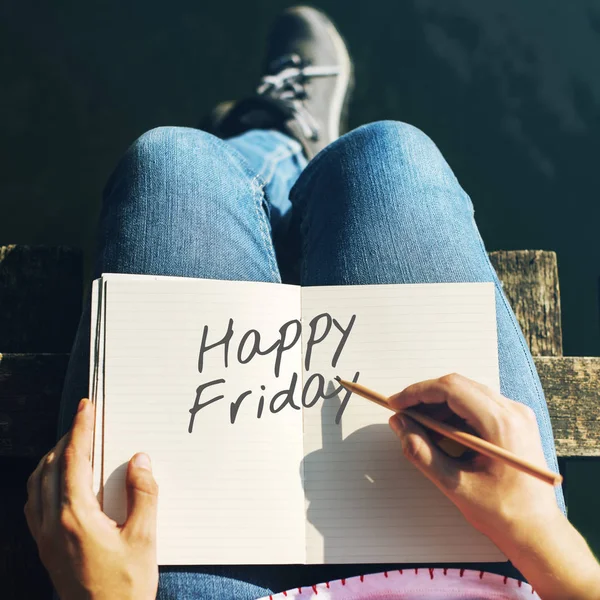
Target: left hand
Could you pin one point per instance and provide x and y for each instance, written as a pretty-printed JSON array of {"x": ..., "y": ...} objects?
[{"x": 87, "y": 554}]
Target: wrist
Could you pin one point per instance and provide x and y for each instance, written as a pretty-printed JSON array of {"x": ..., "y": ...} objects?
[
  {"x": 554, "y": 558},
  {"x": 530, "y": 531},
  {"x": 512, "y": 530}
]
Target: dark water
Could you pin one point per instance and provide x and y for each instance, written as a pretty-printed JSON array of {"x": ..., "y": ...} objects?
[{"x": 509, "y": 90}]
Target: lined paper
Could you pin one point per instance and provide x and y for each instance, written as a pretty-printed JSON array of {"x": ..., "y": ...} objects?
[
  {"x": 290, "y": 487},
  {"x": 96, "y": 394},
  {"x": 229, "y": 494},
  {"x": 364, "y": 501}
]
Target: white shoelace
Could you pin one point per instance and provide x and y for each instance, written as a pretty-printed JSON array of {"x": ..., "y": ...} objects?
[{"x": 288, "y": 86}]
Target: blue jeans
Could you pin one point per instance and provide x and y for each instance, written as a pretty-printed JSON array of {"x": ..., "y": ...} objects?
[{"x": 379, "y": 205}]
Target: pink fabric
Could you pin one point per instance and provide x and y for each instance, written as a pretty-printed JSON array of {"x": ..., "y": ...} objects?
[{"x": 416, "y": 584}]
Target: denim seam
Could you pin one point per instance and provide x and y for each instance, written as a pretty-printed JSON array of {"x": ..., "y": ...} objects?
[
  {"x": 298, "y": 192},
  {"x": 300, "y": 206},
  {"x": 307, "y": 174},
  {"x": 304, "y": 234},
  {"x": 257, "y": 185},
  {"x": 290, "y": 144},
  {"x": 538, "y": 390},
  {"x": 517, "y": 330},
  {"x": 546, "y": 423},
  {"x": 238, "y": 160},
  {"x": 271, "y": 161},
  {"x": 263, "y": 225}
]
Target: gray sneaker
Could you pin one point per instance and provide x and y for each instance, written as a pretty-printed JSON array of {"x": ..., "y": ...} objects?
[{"x": 306, "y": 87}]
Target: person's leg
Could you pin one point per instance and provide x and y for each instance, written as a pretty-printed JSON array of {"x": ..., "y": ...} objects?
[
  {"x": 183, "y": 202},
  {"x": 277, "y": 160},
  {"x": 381, "y": 205}
]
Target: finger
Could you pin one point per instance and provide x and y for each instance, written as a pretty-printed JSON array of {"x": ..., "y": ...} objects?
[
  {"x": 439, "y": 412},
  {"x": 33, "y": 506},
  {"x": 142, "y": 501},
  {"x": 468, "y": 401},
  {"x": 76, "y": 466},
  {"x": 50, "y": 483},
  {"x": 424, "y": 454},
  {"x": 443, "y": 413}
]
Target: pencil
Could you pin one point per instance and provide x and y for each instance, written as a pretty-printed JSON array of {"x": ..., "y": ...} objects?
[{"x": 462, "y": 437}]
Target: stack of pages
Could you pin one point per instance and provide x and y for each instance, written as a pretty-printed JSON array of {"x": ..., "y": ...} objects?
[{"x": 260, "y": 456}]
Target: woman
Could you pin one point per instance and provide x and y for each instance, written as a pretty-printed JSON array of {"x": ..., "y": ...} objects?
[{"x": 274, "y": 193}]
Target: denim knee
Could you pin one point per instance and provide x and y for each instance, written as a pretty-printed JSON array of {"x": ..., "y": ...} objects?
[
  {"x": 183, "y": 202},
  {"x": 400, "y": 138},
  {"x": 385, "y": 155},
  {"x": 392, "y": 145},
  {"x": 166, "y": 156},
  {"x": 167, "y": 139}
]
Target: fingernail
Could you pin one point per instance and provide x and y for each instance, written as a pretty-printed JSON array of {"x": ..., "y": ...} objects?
[
  {"x": 82, "y": 404},
  {"x": 142, "y": 461}
]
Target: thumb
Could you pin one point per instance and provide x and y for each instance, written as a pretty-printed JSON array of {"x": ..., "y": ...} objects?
[
  {"x": 142, "y": 500},
  {"x": 422, "y": 452}
]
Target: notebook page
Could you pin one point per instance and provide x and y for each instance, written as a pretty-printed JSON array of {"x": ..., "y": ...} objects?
[
  {"x": 94, "y": 324},
  {"x": 98, "y": 337},
  {"x": 229, "y": 493},
  {"x": 364, "y": 501},
  {"x": 96, "y": 369},
  {"x": 96, "y": 384}
]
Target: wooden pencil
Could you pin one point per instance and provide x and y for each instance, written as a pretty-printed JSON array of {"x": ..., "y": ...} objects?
[{"x": 462, "y": 437}]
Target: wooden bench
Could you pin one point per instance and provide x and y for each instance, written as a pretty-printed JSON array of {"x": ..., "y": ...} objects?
[{"x": 40, "y": 302}]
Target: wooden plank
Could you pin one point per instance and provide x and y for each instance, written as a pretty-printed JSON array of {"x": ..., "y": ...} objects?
[
  {"x": 573, "y": 395},
  {"x": 30, "y": 387},
  {"x": 30, "y": 390},
  {"x": 40, "y": 298},
  {"x": 530, "y": 282}
]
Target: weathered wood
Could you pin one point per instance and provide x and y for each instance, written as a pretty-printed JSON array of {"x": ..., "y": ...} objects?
[
  {"x": 40, "y": 298},
  {"x": 30, "y": 389},
  {"x": 530, "y": 282},
  {"x": 572, "y": 388}
]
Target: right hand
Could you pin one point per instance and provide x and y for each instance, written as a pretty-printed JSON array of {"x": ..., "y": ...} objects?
[{"x": 499, "y": 500}]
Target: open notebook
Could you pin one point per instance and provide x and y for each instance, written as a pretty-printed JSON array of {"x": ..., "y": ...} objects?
[{"x": 259, "y": 456}]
